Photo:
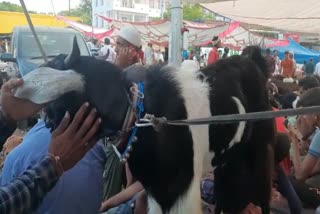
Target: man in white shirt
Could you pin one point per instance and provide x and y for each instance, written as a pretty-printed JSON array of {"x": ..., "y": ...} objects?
[
  {"x": 317, "y": 70},
  {"x": 149, "y": 55},
  {"x": 160, "y": 57},
  {"x": 107, "y": 52},
  {"x": 277, "y": 62}
]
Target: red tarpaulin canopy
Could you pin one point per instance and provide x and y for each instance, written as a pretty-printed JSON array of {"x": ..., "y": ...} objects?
[{"x": 87, "y": 30}]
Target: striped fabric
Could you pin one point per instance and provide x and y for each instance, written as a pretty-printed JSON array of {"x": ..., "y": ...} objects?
[{"x": 25, "y": 193}]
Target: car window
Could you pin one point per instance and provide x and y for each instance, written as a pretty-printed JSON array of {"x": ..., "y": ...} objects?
[{"x": 54, "y": 43}]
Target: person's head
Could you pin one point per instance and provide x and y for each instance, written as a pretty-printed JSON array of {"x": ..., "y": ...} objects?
[
  {"x": 107, "y": 41},
  {"x": 128, "y": 43},
  {"x": 275, "y": 53},
  {"x": 226, "y": 50},
  {"x": 308, "y": 83},
  {"x": 311, "y": 59},
  {"x": 286, "y": 54},
  {"x": 95, "y": 41},
  {"x": 306, "y": 124},
  {"x": 291, "y": 54},
  {"x": 268, "y": 52},
  {"x": 150, "y": 44},
  {"x": 216, "y": 42}
]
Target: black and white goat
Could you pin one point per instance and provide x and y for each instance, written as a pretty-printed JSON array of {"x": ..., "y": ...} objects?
[{"x": 170, "y": 162}]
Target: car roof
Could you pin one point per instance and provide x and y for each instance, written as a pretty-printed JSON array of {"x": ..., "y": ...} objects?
[{"x": 45, "y": 29}]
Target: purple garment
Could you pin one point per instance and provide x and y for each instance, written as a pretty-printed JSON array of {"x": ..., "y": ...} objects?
[{"x": 206, "y": 189}]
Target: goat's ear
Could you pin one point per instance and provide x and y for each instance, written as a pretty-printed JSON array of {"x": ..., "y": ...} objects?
[{"x": 74, "y": 56}]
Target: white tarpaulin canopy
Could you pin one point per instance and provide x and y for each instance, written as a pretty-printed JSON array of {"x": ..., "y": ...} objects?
[
  {"x": 290, "y": 15},
  {"x": 232, "y": 34},
  {"x": 200, "y": 34},
  {"x": 157, "y": 32}
]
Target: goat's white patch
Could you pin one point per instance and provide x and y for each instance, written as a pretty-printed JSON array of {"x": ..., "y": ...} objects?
[
  {"x": 196, "y": 97},
  {"x": 189, "y": 203},
  {"x": 190, "y": 64},
  {"x": 45, "y": 84},
  {"x": 240, "y": 130}
]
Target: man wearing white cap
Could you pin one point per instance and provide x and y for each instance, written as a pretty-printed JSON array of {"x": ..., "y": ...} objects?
[{"x": 127, "y": 49}]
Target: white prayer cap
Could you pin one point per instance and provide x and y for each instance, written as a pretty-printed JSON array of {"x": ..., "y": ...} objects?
[
  {"x": 190, "y": 64},
  {"x": 131, "y": 35}
]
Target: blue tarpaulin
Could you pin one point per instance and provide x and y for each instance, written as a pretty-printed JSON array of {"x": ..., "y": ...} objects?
[{"x": 301, "y": 53}]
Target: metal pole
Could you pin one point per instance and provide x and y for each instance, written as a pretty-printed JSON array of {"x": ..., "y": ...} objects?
[
  {"x": 69, "y": 7},
  {"x": 44, "y": 56},
  {"x": 175, "y": 37},
  {"x": 162, "y": 6}
]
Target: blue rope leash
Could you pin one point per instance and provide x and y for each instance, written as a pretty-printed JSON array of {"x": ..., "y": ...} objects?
[{"x": 140, "y": 109}]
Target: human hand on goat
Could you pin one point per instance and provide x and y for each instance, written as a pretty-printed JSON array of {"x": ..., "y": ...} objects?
[
  {"x": 15, "y": 109},
  {"x": 71, "y": 141},
  {"x": 252, "y": 209}
]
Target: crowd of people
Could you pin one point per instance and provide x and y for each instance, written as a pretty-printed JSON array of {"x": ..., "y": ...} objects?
[
  {"x": 38, "y": 173},
  {"x": 107, "y": 52},
  {"x": 297, "y": 150},
  {"x": 204, "y": 59}
]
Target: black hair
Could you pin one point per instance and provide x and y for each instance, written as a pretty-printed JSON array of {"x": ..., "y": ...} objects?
[
  {"x": 215, "y": 38},
  {"x": 309, "y": 82},
  {"x": 268, "y": 51},
  {"x": 310, "y": 98},
  {"x": 254, "y": 52},
  {"x": 107, "y": 41}
]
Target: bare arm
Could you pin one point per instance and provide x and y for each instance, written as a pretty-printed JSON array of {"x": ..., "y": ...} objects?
[
  {"x": 122, "y": 197},
  {"x": 129, "y": 176},
  {"x": 303, "y": 169},
  {"x": 293, "y": 70}
]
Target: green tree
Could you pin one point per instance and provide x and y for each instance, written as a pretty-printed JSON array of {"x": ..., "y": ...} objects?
[
  {"x": 7, "y": 6},
  {"x": 191, "y": 13},
  {"x": 83, "y": 11}
]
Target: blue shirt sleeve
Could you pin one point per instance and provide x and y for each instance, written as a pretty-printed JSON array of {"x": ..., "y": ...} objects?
[
  {"x": 31, "y": 151},
  {"x": 314, "y": 148}
]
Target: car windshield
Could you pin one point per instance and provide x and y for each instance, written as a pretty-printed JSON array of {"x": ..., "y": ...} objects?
[{"x": 54, "y": 43}]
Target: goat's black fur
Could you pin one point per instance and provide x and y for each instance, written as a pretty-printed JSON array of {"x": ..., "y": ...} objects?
[{"x": 163, "y": 161}]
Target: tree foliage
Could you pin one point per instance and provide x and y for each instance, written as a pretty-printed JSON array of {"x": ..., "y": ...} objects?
[
  {"x": 83, "y": 11},
  {"x": 191, "y": 13},
  {"x": 7, "y": 6}
]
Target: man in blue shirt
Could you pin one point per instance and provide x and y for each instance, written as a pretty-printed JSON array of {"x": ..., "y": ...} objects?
[
  {"x": 307, "y": 126},
  {"x": 79, "y": 190}
]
